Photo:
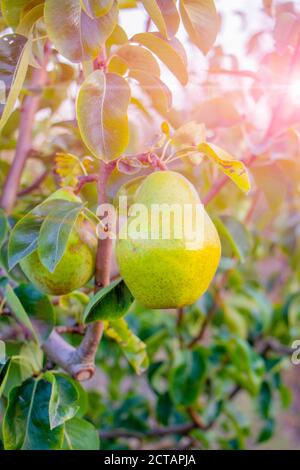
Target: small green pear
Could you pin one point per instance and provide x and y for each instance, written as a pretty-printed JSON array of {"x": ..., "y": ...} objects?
[
  {"x": 76, "y": 267},
  {"x": 168, "y": 272}
]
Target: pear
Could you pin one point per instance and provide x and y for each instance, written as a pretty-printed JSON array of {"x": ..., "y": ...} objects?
[
  {"x": 76, "y": 267},
  {"x": 168, "y": 272}
]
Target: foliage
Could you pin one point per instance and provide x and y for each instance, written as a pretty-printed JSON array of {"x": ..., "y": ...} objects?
[{"x": 164, "y": 374}]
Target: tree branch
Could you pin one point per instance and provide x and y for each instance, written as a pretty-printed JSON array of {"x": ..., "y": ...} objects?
[
  {"x": 235, "y": 73},
  {"x": 35, "y": 185},
  {"x": 28, "y": 111},
  {"x": 83, "y": 180},
  {"x": 80, "y": 362}
]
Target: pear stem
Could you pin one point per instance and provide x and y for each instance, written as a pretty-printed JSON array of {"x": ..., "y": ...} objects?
[{"x": 87, "y": 350}]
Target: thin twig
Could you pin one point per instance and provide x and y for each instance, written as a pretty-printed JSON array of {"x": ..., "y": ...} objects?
[
  {"x": 83, "y": 180},
  {"x": 75, "y": 330},
  {"x": 235, "y": 73},
  {"x": 204, "y": 325},
  {"x": 35, "y": 185}
]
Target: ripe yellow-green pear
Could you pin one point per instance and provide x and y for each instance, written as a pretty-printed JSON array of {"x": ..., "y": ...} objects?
[
  {"x": 175, "y": 271},
  {"x": 77, "y": 265}
]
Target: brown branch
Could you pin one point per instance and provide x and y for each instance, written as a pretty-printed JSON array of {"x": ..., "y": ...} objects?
[
  {"x": 28, "y": 111},
  {"x": 155, "y": 432},
  {"x": 272, "y": 344},
  {"x": 204, "y": 325},
  {"x": 74, "y": 330},
  {"x": 235, "y": 73},
  {"x": 252, "y": 207},
  {"x": 83, "y": 180},
  {"x": 35, "y": 185},
  {"x": 80, "y": 362}
]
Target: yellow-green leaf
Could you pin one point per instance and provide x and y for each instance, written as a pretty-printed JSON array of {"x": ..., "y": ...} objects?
[
  {"x": 69, "y": 167},
  {"x": 201, "y": 22},
  {"x": 169, "y": 51},
  {"x": 102, "y": 105},
  {"x": 12, "y": 10},
  {"x": 96, "y": 8},
  {"x": 117, "y": 37},
  {"x": 171, "y": 16},
  {"x": 14, "y": 60},
  {"x": 127, "y": 4},
  {"x": 133, "y": 348},
  {"x": 156, "y": 15},
  {"x": 29, "y": 19},
  {"x": 159, "y": 93},
  {"x": 75, "y": 35},
  {"x": 117, "y": 65},
  {"x": 234, "y": 169},
  {"x": 189, "y": 134},
  {"x": 139, "y": 58}
]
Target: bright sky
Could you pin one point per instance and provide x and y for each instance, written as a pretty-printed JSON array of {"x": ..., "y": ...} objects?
[{"x": 235, "y": 31}]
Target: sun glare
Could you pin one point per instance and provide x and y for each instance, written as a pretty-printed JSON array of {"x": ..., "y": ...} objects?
[{"x": 294, "y": 92}]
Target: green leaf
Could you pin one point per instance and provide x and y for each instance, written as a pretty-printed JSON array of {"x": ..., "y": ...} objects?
[
  {"x": 170, "y": 15},
  {"x": 186, "y": 378},
  {"x": 12, "y": 10},
  {"x": 235, "y": 321},
  {"x": 267, "y": 431},
  {"x": 26, "y": 423},
  {"x": 55, "y": 232},
  {"x": 133, "y": 348},
  {"x": 2, "y": 355},
  {"x": 156, "y": 15},
  {"x": 138, "y": 58},
  {"x": 18, "y": 310},
  {"x": 159, "y": 93},
  {"x": 63, "y": 404},
  {"x": 10, "y": 376},
  {"x": 75, "y": 35},
  {"x": 246, "y": 367},
  {"x": 30, "y": 359},
  {"x": 96, "y": 8},
  {"x": 3, "y": 226},
  {"x": 14, "y": 59},
  {"x": 25, "y": 234},
  {"x": 201, "y": 22},
  {"x": 20, "y": 367},
  {"x": 102, "y": 105},
  {"x": 110, "y": 303},
  {"x": 234, "y": 169},
  {"x": 236, "y": 234},
  {"x": 265, "y": 400},
  {"x": 80, "y": 435},
  {"x": 170, "y": 52},
  {"x": 29, "y": 19},
  {"x": 37, "y": 305},
  {"x": 3, "y": 371},
  {"x": 4, "y": 368}
]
